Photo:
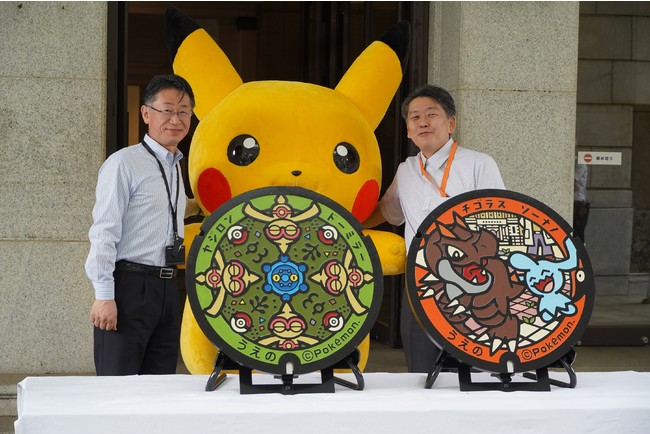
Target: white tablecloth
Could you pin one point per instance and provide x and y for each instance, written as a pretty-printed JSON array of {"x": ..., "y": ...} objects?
[{"x": 613, "y": 402}]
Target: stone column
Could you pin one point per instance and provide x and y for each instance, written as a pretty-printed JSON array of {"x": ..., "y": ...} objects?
[
  {"x": 52, "y": 135},
  {"x": 511, "y": 67}
]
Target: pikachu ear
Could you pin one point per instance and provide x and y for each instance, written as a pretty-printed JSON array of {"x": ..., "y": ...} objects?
[
  {"x": 199, "y": 60},
  {"x": 372, "y": 80}
]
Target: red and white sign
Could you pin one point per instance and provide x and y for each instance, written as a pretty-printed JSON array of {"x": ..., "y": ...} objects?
[{"x": 600, "y": 158}]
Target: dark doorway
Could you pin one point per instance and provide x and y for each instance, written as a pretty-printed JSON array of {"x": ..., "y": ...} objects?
[{"x": 312, "y": 42}]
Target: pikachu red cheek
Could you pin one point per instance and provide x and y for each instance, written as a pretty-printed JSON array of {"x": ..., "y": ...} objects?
[
  {"x": 366, "y": 200},
  {"x": 213, "y": 189}
]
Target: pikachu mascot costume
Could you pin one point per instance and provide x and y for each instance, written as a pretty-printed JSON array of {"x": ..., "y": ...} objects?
[{"x": 283, "y": 133}]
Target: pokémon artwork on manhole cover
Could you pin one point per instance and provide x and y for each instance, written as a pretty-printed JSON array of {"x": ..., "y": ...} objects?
[
  {"x": 495, "y": 278},
  {"x": 283, "y": 281}
]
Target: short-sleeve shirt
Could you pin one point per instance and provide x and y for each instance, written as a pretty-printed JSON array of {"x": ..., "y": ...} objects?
[{"x": 411, "y": 197}]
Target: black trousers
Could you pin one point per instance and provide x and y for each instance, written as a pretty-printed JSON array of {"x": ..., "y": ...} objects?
[
  {"x": 580, "y": 218},
  {"x": 420, "y": 351},
  {"x": 148, "y": 327}
]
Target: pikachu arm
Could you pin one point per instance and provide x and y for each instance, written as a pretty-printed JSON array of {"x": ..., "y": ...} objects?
[
  {"x": 375, "y": 219},
  {"x": 391, "y": 250}
]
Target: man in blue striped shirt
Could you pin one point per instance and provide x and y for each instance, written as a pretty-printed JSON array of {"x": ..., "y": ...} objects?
[{"x": 136, "y": 240}]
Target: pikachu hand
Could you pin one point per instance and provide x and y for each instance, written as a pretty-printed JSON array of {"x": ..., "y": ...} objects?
[{"x": 391, "y": 250}]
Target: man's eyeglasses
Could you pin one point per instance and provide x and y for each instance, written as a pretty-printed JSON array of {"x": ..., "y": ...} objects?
[{"x": 171, "y": 113}]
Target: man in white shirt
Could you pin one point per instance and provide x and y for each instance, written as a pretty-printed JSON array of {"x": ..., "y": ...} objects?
[{"x": 440, "y": 170}]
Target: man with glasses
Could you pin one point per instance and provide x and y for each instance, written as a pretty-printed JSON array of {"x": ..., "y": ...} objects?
[
  {"x": 441, "y": 170},
  {"x": 136, "y": 240}
]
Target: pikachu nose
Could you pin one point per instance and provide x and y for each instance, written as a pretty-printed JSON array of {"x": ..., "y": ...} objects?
[{"x": 296, "y": 173}]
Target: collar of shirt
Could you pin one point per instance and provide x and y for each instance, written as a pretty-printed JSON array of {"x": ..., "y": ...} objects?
[
  {"x": 437, "y": 160},
  {"x": 162, "y": 153}
]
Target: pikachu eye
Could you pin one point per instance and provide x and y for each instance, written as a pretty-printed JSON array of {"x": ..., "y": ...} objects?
[
  {"x": 243, "y": 150},
  {"x": 346, "y": 158}
]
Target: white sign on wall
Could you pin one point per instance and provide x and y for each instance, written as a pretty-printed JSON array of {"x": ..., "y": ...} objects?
[{"x": 600, "y": 158}]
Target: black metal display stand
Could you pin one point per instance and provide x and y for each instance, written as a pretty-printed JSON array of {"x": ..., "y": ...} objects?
[
  {"x": 286, "y": 384},
  {"x": 541, "y": 380}
]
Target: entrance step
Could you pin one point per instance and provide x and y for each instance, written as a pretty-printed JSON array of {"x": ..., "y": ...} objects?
[
  {"x": 8, "y": 411},
  {"x": 7, "y": 424}
]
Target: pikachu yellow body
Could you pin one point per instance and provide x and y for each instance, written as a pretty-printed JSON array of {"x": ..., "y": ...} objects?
[{"x": 283, "y": 133}]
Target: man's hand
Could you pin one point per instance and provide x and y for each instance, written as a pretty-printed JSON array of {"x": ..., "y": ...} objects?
[{"x": 103, "y": 314}]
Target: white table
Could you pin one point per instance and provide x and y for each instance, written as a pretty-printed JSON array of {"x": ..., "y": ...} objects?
[{"x": 613, "y": 402}]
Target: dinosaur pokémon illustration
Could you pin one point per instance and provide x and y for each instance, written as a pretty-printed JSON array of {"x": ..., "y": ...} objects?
[{"x": 284, "y": 133}]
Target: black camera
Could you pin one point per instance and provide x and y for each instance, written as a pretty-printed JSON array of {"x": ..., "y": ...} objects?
[{"x": 175, "y": 254}]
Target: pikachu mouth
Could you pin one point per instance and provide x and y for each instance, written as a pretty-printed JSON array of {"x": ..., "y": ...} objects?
[{"x": 291, "y": 177}]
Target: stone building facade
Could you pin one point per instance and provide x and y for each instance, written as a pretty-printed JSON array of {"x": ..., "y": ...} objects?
[
  {"x": 613, "y": 115},
  {"x": 519, "y": 73}
]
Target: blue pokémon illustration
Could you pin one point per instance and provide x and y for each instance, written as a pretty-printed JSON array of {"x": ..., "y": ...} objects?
[{"x": 546, "y": 278}]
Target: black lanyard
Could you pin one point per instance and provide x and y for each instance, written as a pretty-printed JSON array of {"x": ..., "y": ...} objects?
[{"x": 169, "y": 194}]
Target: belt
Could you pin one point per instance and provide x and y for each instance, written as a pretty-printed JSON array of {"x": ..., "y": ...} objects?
[{"x": 149, "y": 270}]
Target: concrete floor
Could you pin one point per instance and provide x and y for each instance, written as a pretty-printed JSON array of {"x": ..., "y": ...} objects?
[{"x": 620, "y": 310}]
